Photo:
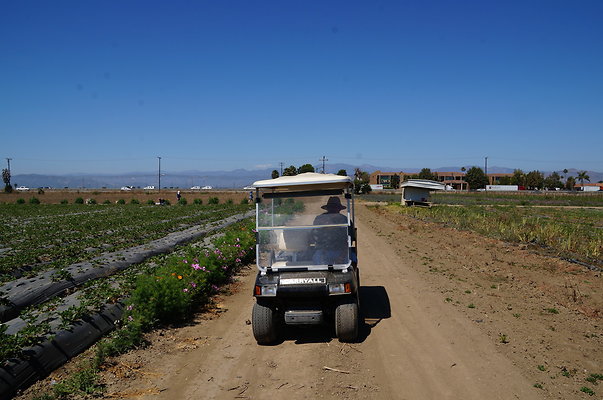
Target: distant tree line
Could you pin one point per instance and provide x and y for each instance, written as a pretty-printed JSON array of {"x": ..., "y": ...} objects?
[
  {"x": 533, "y": 180},
  {"x": 474, "y": 176}
]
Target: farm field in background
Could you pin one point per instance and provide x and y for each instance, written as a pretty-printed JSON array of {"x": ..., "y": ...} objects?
[
  {"x": 49, "y": 236},
  {"x": 56, "y": 196},
  {"x": 502, "y": 198},
  {"x": 567, "y": 225},
  {"x": 571, "y": 233}
]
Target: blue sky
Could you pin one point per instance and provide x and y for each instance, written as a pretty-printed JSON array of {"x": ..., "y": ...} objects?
[{"x": 107, "y": 86}]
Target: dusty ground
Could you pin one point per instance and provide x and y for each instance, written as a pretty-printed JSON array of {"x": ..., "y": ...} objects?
[
  {"x": 55, "y": 196},
  {"x": 448, "y": 315}
]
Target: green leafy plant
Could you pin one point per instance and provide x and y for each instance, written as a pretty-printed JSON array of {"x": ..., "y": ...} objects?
[
  {"x": 79, "y": 200},
  {"x": 61, "y": 274},
  {"x": 64, "y": 201},
  {"x": 84, "y": 382},
  {"x": 503, "y": 338},
  {"x": 134, "y": 201},
  {"x": 107, "y": 201},
  {"x": 150, "y": 202},
  {"x": 538, "y": 385},
  {"x": 587, "y": 390},
  {"x": 553, "y": 310},
  {"x": 471, "y": 305},
  {"x": 91, "y": 201},
  {"x": 213, "y": 200},
  {"x": 20, "y": 201},
  {"x": 541, "y": 368},
  {"x": 197, "y": 201},
  {"x": 34, "y": 200},
  {"x": 182, "y": 201},
  {"x": 120, "y": 201}
]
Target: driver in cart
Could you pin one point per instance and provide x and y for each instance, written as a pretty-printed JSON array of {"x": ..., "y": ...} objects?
[{"x": 327, "y": 241}]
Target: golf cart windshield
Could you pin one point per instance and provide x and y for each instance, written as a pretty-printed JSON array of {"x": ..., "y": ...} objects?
[{"x": 304, "y": 230}]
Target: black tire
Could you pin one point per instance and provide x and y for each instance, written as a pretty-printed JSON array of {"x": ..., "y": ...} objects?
[
  {"x": 264, "y": 324},
  {"x": 346, "y": 322}
]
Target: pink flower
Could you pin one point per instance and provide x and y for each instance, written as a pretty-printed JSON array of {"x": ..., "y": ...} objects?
[
  {"x": 214, "y": 287},
  {"x": 130, "y": 318},
  {"x": 238, "y": 260},
  {"x": 193, "y": 285},
  {"x": 196, "y": 266},
  {"x": 185, "y": 261},
  {"x": 185, "y": 290},
  {"x": 130, "y": 307}
]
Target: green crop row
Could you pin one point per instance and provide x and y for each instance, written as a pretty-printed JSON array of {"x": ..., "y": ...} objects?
[
  {"x": 54, "y": 236},
  {"x": 166, "y": 293},
  {"x": 163, "y": 289},
  {"x": 501, "y": 198}
]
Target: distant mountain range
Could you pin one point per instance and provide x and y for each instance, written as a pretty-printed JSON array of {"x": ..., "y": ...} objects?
[{"x": 235, "y": 179}]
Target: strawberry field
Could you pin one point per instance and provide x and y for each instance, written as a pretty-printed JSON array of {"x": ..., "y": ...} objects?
[
  {"x": 68, "y": 271},
  {"x": 41, "y": 237}
]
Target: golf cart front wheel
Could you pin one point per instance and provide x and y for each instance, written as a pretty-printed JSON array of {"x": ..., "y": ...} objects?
[
  {"x": 264, "y": 324},
  {"x": 346, "y": 322}
]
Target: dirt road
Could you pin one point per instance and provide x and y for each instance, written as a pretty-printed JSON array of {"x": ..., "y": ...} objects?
[{"x": 448, "y": 315}]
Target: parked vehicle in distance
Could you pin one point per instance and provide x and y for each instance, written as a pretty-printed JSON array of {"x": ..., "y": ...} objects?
[
  {"x": 207, "y": 188},
  {"x": 150, "y": 187},
  {"x": 196, "y": 188},
  {"x": 22, "y": 188},
  {"x": 126, "y": 188}
]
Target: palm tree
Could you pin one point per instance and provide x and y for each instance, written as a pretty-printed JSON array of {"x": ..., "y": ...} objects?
[{"x": 582, "y": 176}]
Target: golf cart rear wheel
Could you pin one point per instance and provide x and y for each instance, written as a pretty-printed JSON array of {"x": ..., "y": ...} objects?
[
  {"x": 264, "y": 324},
  {"x": 346, "y": 322}
]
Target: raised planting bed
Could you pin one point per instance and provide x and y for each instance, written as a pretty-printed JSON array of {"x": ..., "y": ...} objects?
[
  {"x": 71, "y": 324},
  {"x": 39, "y": 238}
]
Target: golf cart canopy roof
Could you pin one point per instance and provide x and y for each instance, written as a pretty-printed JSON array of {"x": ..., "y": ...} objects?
[
  {"x": 305, "y": 181},
  {"x": 423, "y": 184}
]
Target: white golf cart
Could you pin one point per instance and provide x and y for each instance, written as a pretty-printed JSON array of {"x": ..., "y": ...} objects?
[{"x": 306, "y": 255}]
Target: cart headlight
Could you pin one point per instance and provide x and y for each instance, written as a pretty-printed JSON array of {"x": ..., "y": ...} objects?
[
  {"x": 265, "y": 290},
  {"x": 339, "y": 288}
]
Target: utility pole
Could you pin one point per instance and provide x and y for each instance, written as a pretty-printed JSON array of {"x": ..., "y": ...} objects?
[
  {"x": 8, "y": 161},
  {"x": 281, "y": 168},
  {"x": 323, "y": 159},
  {"x": 486, "y": 172},
  {"x": 159, "y": 174}
]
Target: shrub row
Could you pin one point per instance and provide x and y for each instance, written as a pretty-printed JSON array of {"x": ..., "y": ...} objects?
[{"x": 182, "y": 201}]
